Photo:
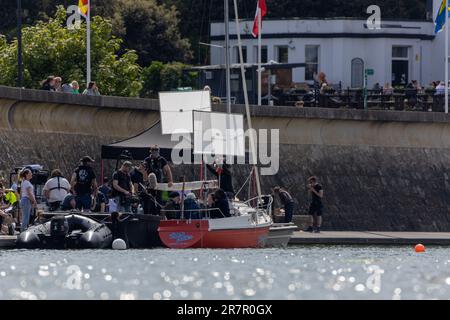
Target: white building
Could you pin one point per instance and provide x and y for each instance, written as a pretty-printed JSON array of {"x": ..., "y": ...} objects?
[{"x": 399, "y": 52}]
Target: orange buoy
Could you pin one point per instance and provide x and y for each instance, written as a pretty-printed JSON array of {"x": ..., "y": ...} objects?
[{"x": 419, "y": 248}]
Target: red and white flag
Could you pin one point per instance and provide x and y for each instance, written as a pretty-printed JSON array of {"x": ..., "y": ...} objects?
[{"x": 263, "y": 7}]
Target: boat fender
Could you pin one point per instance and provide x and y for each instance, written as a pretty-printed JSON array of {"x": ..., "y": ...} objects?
[{"x": 119, "y": 244}]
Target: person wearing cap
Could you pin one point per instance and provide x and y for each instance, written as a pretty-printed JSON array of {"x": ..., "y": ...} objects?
[
  {"x": 84, "y": 184},
  {"x": 122, "y": 187},
  {"x": 157, "y": 164}
]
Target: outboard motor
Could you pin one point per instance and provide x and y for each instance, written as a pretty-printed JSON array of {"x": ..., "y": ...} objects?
[{"x": 59, "y": 228}]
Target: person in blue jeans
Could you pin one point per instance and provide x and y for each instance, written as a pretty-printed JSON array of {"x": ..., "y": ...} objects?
[
  {"x": 27, "y": 199},
  {"x": 84, "y": 184}
]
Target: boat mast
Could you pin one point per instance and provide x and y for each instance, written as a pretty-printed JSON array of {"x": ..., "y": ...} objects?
[
  {"x": 247, "y": 106},
  {"x": 227, "y": 55}
]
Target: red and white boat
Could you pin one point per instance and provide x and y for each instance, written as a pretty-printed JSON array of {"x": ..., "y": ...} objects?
[{"x": 248, "y": 227}]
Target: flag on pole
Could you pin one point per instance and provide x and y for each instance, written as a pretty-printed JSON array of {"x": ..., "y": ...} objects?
[
  {"x": 440, "y": 18},
  {"x": 263, "y": 7},
  {"x": 83, "y": 7}
]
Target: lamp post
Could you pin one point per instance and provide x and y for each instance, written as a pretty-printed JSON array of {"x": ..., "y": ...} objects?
[{"x": 19, "y": 45}]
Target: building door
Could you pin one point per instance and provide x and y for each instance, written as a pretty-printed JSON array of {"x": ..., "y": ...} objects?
[
  {"x": 400, "y": 65},
  {"x": 357, "y": 73},
  {"x": 400, "y": 73}
]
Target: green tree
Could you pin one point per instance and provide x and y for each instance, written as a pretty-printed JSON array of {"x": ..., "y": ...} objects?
[
  {"x": 166, "y": 77},
  {"x": 151, "y": 30},
  {"x": 51, "y": 48}
]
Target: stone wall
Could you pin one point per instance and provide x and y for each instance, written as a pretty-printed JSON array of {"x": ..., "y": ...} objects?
[{"x": 381, "y": 171}]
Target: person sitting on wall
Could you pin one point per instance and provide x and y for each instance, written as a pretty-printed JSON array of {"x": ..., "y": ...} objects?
[
  {"x": 92, "y": 89},
  {"x": 48, "y": 84}
]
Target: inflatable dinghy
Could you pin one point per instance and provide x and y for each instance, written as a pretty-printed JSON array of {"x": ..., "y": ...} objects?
[{"x": 66, "y": 232}]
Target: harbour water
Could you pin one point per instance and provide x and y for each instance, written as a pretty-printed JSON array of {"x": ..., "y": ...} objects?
[{"x": 319, "y": 272}]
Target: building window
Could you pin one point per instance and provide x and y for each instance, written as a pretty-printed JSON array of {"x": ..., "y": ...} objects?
[
  {"x": 311, "y": 61},
  {"x": 357, "y": 73},
  {"x": 264, "y": 56},
  {"x": 236, "y": 58},
  {"x": 400, "y": 52},
  {"x": 282, "y": 54}
]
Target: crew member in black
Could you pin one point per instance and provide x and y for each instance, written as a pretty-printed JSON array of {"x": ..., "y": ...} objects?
[
  {"x": 220, "y": 205},
  {"x": 122, "y": 187},
  {"x": 139, "y": 176},
  {"x": 287, "y": 201},
  {"x": 316, "y": 207},
  {"x": 158, "y": 165},
  {"x": 84, "y": 184},
  {"x": 223, "y": 173}
]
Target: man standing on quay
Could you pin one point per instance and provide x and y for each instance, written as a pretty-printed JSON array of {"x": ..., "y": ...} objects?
[{"x": 316, "y": 207}]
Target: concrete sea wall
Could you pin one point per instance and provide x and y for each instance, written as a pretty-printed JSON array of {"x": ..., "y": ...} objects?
[{"x": 381, "y": 170}]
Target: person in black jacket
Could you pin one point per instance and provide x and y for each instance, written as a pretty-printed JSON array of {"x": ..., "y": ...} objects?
[
  {"x": 223, "y": 173},
  {"x": 220, "y": 205}
]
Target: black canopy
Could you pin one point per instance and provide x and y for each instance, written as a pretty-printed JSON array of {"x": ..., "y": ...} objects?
[{"x": 139, "y": 145}]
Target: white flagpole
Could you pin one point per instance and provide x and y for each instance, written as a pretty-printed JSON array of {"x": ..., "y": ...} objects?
[
  {"x": 259, "y": 55},
  {"x": 447, "y": 23},
  {"x": 88, "y": 44}
]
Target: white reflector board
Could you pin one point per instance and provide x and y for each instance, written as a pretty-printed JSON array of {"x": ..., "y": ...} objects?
[
  {"x": 177, "y": 107},
  {"x": 219, "y": 134}
]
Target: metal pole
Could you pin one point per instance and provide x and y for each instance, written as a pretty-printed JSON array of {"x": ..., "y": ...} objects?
[
  {"x": 447, "y": 22},
  {"x": 227, "y": 55},
  {"x": 247, "y": 106},
  {"x": 365, "y": 90},
  {"x": 88, "y": 44},
  {"x": 19, "y": 45},
  {"x": 260, "y": 57}
]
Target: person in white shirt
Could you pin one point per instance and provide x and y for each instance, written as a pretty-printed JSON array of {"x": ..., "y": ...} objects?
[
  {"x": 27, "y": 199},
  {"x": 56, "y": 189}
]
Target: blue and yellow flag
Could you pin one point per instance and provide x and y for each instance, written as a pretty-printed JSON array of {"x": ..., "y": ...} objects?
[{"x": 440, "y": 18}]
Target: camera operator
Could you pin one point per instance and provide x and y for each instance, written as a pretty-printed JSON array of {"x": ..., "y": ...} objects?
[{"x": 123, "y": 188}]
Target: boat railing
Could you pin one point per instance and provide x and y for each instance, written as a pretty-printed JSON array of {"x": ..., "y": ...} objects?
[
  {"x": 203, "y": 210},
  {"x": 260, "y": 204}
]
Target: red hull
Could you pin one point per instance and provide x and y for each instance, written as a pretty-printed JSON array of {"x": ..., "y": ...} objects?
[{"x": 182, "y": 234}]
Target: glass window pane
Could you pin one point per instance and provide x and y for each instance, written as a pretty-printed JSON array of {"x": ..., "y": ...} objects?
[
  {"x": 283, "y": 54},
  {"x": 263, "y": 54},
  {"x": 400, "y": 52},
  {"x": 311, "y": 54}
]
